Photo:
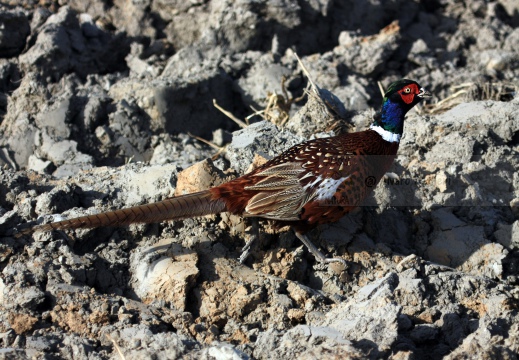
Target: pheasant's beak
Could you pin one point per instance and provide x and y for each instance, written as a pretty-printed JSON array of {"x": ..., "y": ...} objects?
[{"x": 424, "y": 93}]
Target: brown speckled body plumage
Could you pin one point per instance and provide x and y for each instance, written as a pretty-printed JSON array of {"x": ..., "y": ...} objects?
[{"x": 287, "y": 187}]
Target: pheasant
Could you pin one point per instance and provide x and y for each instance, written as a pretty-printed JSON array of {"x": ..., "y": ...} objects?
[{"x": 312, "y": 183}]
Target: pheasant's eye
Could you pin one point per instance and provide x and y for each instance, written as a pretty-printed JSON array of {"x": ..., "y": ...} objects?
[{"x": 407, "y": 90}]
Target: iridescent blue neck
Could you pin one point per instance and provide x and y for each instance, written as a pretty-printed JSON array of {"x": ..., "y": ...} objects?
[{"x": 391, "y": 117}]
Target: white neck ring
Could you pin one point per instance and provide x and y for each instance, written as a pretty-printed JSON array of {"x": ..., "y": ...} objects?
[{"x": 386, "y": 135}]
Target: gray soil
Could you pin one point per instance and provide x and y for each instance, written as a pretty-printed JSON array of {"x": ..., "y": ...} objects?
[{"x": 103, "y": 105}]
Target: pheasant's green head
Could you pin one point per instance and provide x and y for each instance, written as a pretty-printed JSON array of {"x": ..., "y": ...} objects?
[{"x": 399, "y": 98}]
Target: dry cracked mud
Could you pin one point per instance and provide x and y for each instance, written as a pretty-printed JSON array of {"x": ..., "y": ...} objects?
[{"x": 105, "y": 105}]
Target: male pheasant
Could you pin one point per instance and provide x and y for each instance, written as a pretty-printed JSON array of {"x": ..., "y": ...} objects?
[{"x": 315, "y": 182}]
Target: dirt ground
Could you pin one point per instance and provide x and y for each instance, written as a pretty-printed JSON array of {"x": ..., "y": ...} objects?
[{"x": 109, "y": 104}]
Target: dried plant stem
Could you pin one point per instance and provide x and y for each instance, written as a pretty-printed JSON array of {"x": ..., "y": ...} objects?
[
  {"x": 119, "y": 352},
  {"x": 214, "y": 146},
  {"x": 314, "y": 87},
  {"x": 381, "y": 88},
  {"x": 230, "y": 115}
]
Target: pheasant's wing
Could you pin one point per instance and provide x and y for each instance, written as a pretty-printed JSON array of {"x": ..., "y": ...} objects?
[
  {"x": 318, "y": 178},
  {"x": 285, "y": 189},
  {"x": 279, "y": 194}
]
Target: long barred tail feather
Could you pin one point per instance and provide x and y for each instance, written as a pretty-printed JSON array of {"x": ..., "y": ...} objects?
[{"x": 176, "y": 208}]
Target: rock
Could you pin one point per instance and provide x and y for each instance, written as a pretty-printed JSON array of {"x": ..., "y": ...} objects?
[
  {"x": 241, "y": 26},
  {"x": 138, "y": 66},
  {"x": 167, "y": 146},
  {"x": 317, "y": 340},
  {"x": 74, "y": 345},
  {"x": 54, "y": 120},
  {"x": 355, "y": 97},
  {"x": 21, "y": 140},
  {"x": 58, "y": 200},
  {"x": 442, "y": 181},
  {"x": 168, "y": 100},
  {"x": 262, "y": 138},
  {"x": 142, "y": 183},
  {"x": 446, "y": 220},
  {"x": 466, "y": 247},
  {"x": 29, "y": 297},
  {"x": 60, "y": 153},
  {"x": 409, "y": 262},
  {"x": 451, "y": 149},
  {"x": 320, "y": 114},
  {"x": 358, "y": 318},
  {"x": 169, "y": 277},
  {"x": 508, "y": 235},
  {"x": 476, "y": 113},
  {"x": 221, "y": 137},
  {"x": 223, "y": 351},
  {"x": 422, "y": 55},
  {"x": 60, "y": 47},
  {"x": 16, "y": 353},
  {"x": 367, "y": 55},
  {"x": 7, "y": 338},
  {"x": 201, "y": 176},
  {"x": 423, "y": 333},
  {"x": 39, "y": 165},
  {"x": 487, "y": 261},
  {"x": 138, "y": 341},
  {"x": 263, "y": 78},
  {"x": 471, "y": 345}
]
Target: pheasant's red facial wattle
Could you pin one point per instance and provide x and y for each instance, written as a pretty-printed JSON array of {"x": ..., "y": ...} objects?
[{"x": 408, "y": 92}]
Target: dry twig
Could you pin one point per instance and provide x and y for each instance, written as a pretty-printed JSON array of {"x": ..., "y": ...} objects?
[
  {"x": 121, "y": 355},
  {"x": 230, "y": 115},
  {"x": 221, "y": 149}
]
